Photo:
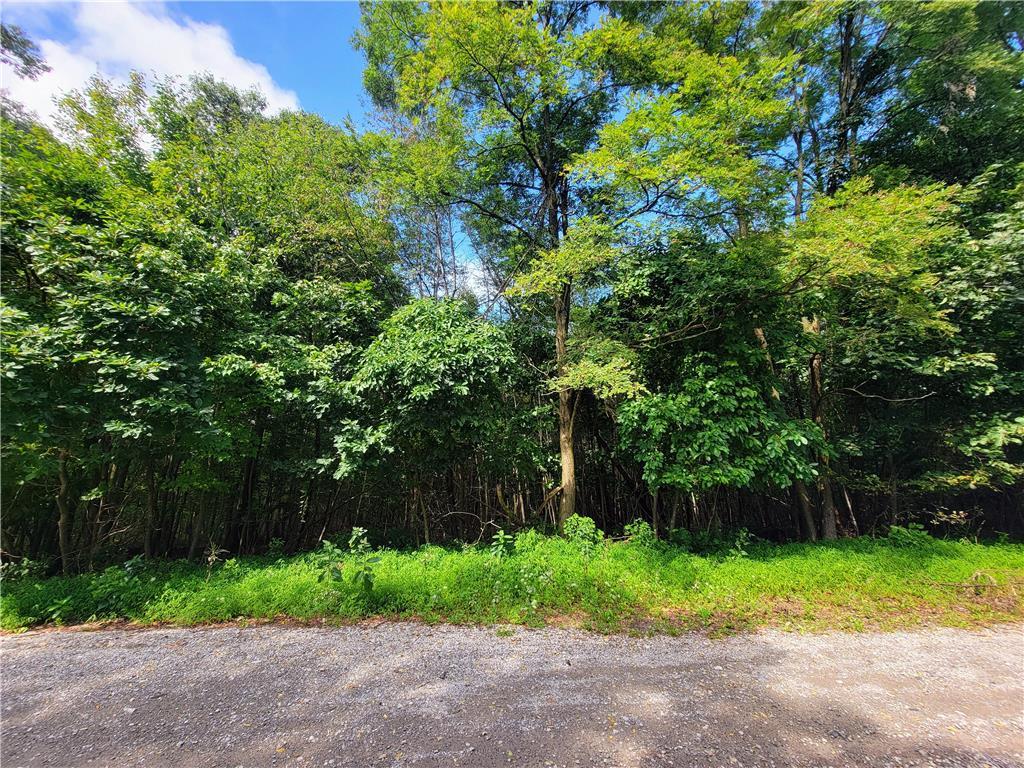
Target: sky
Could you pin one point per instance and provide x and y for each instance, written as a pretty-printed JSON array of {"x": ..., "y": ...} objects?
[{"x": 299, "y": 54}]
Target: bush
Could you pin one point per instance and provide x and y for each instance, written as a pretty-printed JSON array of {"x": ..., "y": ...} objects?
[
  {"x": 682, "y": 538},
  {"x": 640, "y": 533},
  {"x": 843, "y": 584},
  {"x": 741, "y": 541},
  {"x": 582, "y": 531},
  {"x": 22, "y": 568},
  {"x": 528, "y": 540},
  {"x": 909, "y": 535}
]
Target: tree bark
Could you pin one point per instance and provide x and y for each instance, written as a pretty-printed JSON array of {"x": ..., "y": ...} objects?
[
  {"x": 803, "y": 499},
  {"x": 64, "y": 519},
  {"x": 799, "y": 489},
  {"x": 828, "y": 504},
  {"x": 842, "y": 162},
  {"x": 426, "y": 516},
  {"x": 567, "y": 500},
  {"x": 242, "y": 509},
  {"x": 151, "y": 509},
  {"x": 198, "y": 524},
  {"x": 798, "y": 142}
]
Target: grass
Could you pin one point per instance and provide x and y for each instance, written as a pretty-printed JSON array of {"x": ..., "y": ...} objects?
[{"x": 613, "y": 586}]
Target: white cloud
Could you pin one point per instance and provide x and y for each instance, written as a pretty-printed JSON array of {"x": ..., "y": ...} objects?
[{"x": 112, "y": 39}]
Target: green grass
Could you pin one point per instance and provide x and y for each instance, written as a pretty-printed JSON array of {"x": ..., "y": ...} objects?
[{"x": 621, "y": 586}]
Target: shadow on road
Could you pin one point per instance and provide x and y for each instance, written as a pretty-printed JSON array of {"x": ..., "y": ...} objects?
[{"x": 404, "y": 694}]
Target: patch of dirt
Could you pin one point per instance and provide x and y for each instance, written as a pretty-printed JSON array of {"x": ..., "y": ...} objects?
[{"x": 409, "y": 694}]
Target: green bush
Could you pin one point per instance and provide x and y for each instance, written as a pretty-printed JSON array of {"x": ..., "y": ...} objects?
[
  {"x": 844, "y": 584},
  {"x": 640, "y": 533},
  {"x": 682, "y": 538},
  {"x": 909, "y": 535},
  {"x": 582, "y": 531},
  {"x": 528, "y": 540}
]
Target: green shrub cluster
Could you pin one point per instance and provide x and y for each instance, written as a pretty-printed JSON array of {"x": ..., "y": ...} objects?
[{"x": 533, "y": 579}]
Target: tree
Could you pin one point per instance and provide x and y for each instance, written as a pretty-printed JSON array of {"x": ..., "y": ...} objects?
[
  {"x": 528, "y": 93},
  {"x": 428, "y": 391},
  {"x": 163, "y": 330},
  {"x": 719, "y": 264},
  {"x": 18, "y": 51}
]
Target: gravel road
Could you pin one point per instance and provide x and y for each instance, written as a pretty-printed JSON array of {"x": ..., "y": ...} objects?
[{"x": 412, "y": 695}]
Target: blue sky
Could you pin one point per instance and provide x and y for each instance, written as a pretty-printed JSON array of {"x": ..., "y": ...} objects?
[
  {"x": 305, "y": 45},
  {"x": 299, "y": 53}
]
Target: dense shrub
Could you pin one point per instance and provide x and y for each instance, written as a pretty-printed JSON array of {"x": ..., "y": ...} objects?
[{"x": 617, "y": 585}]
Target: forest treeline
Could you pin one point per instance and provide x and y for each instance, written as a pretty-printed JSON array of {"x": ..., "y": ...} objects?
[{"x": 709, "y": 265}]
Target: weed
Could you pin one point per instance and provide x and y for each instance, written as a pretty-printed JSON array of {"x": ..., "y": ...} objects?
[
  {"x": 362, "y": 569},
  {"x": 640, "y": 533},
  {"x": 22, "y": 568},
  {"x": 501, "y": 544},
  {"x": 213, "y": 556},
  {"x": 740, "y": 544},
  {"x": 909, "y": 535},
  {"x": 329, "y": 561},
  {"x": 895, "y": 581},
  {"x": 584, "y": 533},
  {"x": 275, "y": 548}
]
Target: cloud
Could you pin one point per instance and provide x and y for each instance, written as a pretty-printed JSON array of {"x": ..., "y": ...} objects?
[{"x": 112, "y": 39}]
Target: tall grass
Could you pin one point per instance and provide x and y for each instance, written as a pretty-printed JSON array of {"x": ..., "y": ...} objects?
[{"x": 611, "y": 586}]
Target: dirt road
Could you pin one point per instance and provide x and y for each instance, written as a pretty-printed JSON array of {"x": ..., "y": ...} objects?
[{"x": 411, "y": 695}]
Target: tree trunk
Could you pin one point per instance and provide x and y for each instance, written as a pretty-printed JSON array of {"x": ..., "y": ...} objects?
[
  {"x": 799, "y": 489},
  {"x": 64, "y": 521},
  {"x": 198, "y": 524},
  {"x": 94, "y": 514},
  {"x": 243, "y": 506},
  {"x": 426, "y": 516},
  {"x": 803, "y": 499},
  {"x": 842, "y": 161},
  {"x": 567, "y": 501},
  {"x": 798, "y": 197},
  {"x": 151, "y": 509},
  {"x": 828, "y": 504}
]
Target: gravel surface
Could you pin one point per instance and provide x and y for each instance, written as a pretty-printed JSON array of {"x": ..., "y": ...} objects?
[{"x": 407, "y": 694}]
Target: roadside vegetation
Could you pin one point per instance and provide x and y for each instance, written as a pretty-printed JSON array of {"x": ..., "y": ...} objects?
[
  {"x": 702, "y": 275},
  {"x": 721, "y": 584}
]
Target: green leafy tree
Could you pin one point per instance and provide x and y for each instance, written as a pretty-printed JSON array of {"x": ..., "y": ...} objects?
[{"x": 428, "y": 392}]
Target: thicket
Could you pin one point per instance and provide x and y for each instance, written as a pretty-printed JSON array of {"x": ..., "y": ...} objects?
[
  {"x": 708, "y": 267},
  {"x": 703, "y": 582}
]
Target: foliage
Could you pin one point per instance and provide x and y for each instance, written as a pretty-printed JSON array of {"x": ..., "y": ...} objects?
[
  {"x": 362, "y": 567},
  {"x": 583, "y": 532},
  {"x": 714, "y": 267},
  {"x": 717, "y": 431},
  {"x": 501, "y": 544},
  {"x": 429, "y": 390},
  {"x": 640, "y": 533},
  {"x": 740, "y": 544},
  {"x": 329, "y": 560},
  {"x": 909, "y": 535},
  {"x": 603, "y": 366},
  {"x": 23, "y": 568},
  {"x": 847, "y": 585},
  {"x": 214, "y": 555},
  {"x": 20, "y": 52}
]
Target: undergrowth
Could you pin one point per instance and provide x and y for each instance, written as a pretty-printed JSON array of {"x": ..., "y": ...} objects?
[{"x": 639, "y": 585}]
